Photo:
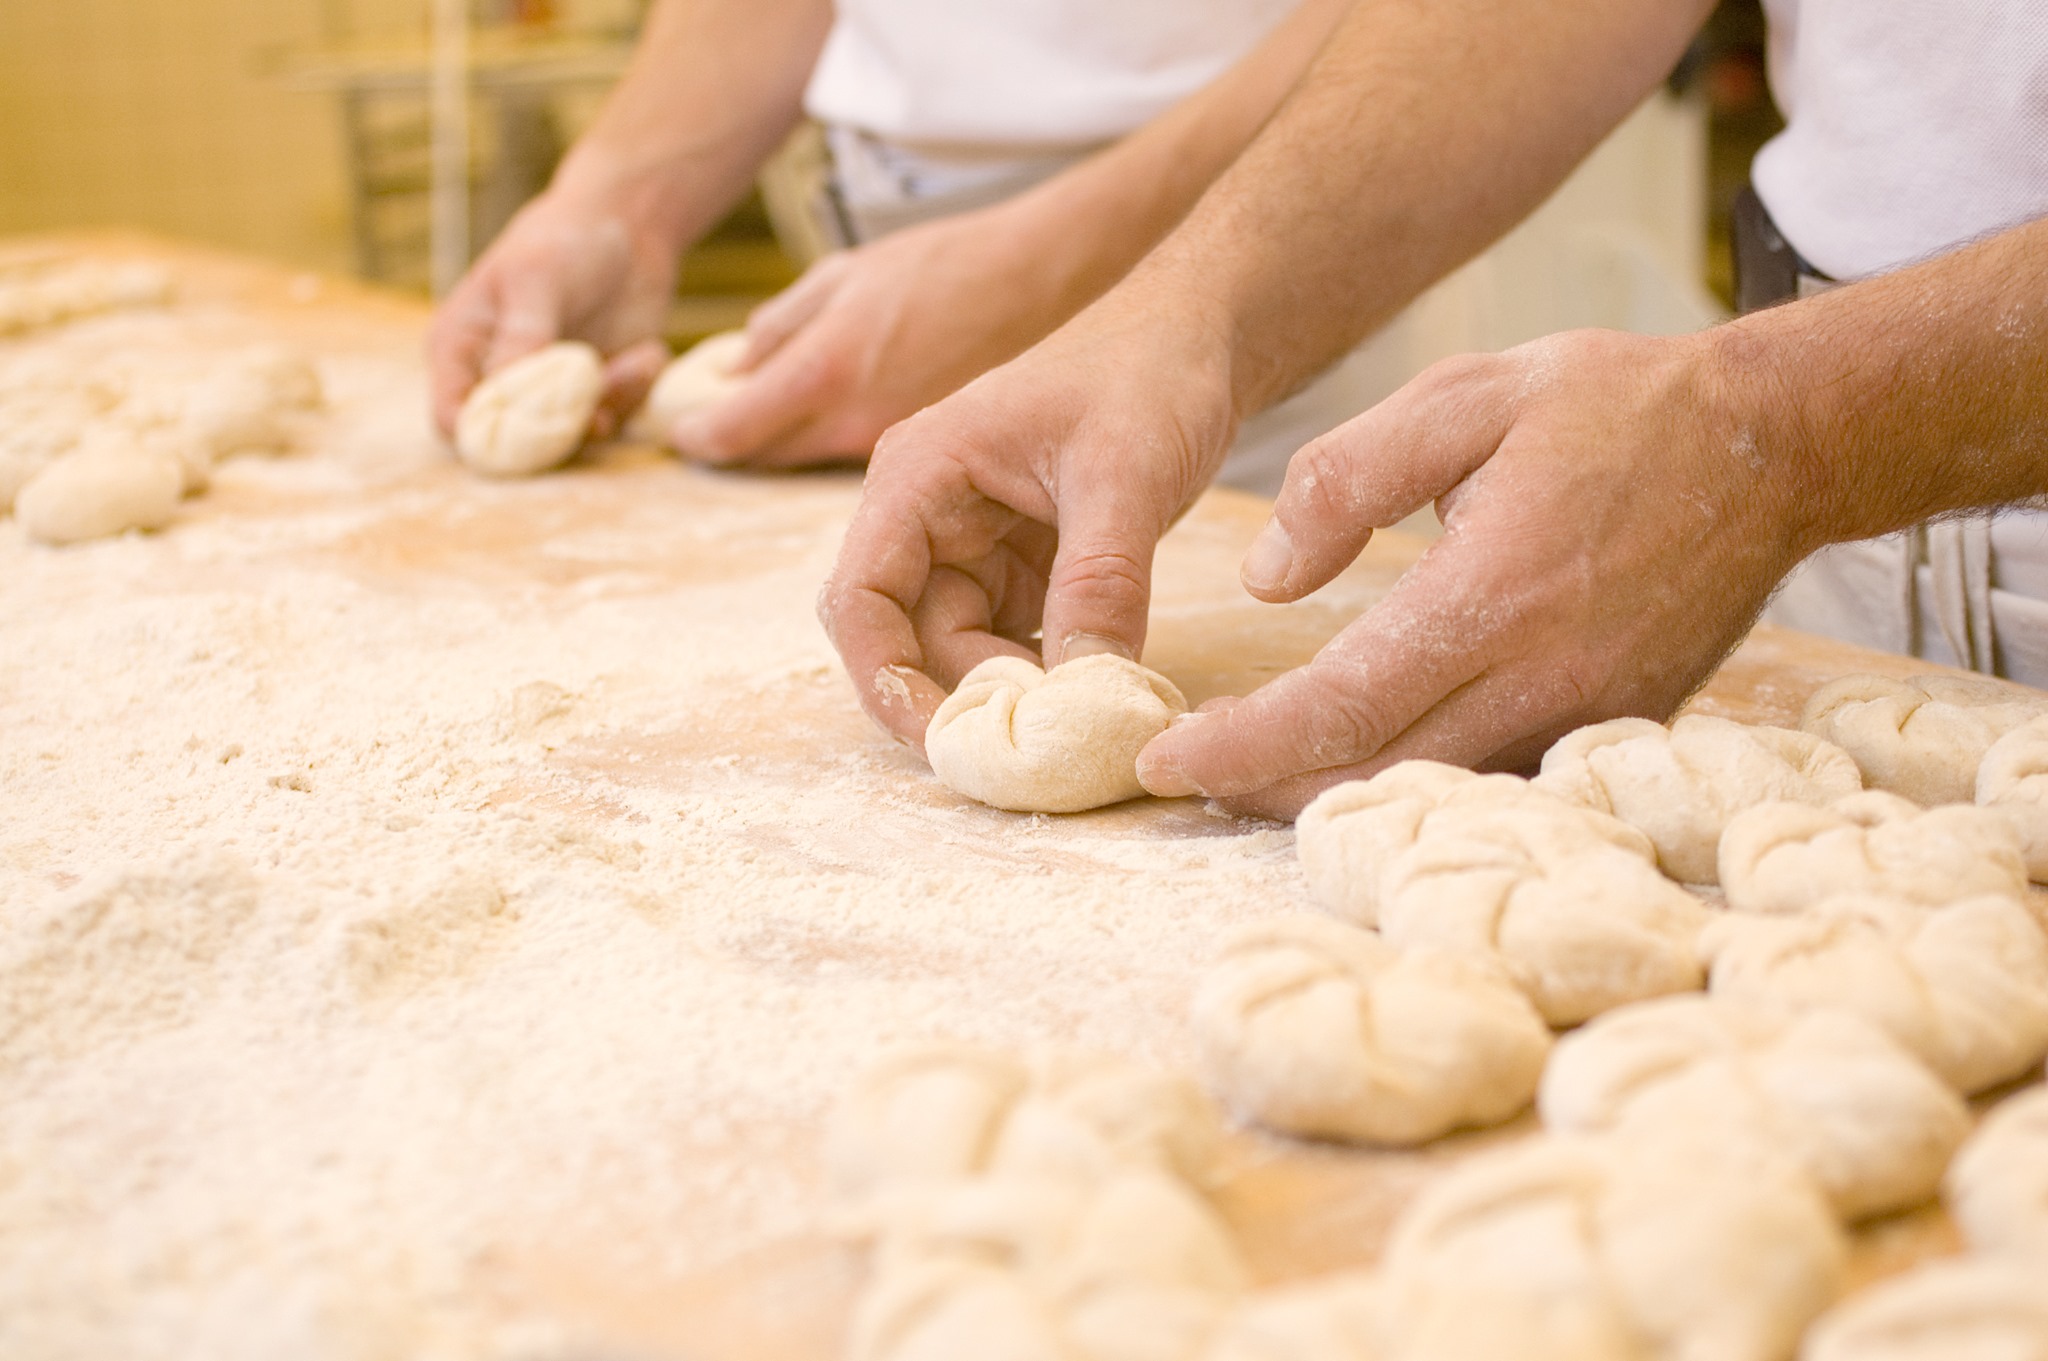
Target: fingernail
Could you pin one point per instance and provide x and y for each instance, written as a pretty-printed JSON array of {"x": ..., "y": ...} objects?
[
  {"x": 1270, "y": 558},
  {"x": 1092, "y": 645}
]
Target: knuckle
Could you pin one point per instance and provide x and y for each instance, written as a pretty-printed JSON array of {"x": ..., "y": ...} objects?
[
  {"x": 1346, "y": 723},
  {"x": 1105, "y": 571}
]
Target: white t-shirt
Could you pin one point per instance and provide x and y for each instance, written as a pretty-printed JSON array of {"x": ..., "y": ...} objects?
[
  {"x": 1913, "y": 126},
  {"x": 1025, "y": 73}
]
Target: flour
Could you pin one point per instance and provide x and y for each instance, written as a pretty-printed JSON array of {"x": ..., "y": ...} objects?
[{"x": 411, "y": 886}]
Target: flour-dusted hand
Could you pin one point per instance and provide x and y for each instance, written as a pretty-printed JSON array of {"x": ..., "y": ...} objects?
[
  {"x": 1611, "y": 530},
  {"x": 1031, "y": 500}
]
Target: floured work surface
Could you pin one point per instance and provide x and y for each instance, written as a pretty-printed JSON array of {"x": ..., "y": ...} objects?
[{"x": 435, "y": 914}]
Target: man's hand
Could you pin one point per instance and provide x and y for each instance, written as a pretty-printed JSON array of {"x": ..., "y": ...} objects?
[
  {"x": 1032, "y": 498},
  {"x": 1612, "y": 526},
  {"x": 564, "y": 269},
  {"x": 872, "y": 335}
]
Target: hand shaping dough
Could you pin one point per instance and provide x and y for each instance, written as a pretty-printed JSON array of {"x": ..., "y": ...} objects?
[
  {"x": 1580, "y": 924},
  {"x": 929, "y": 1115},
  {"x": 1966, "y": 1309},
  {"x": 532, "y": 414},
  {"x": 1785, "y": 857},
  {"x": 1964, "y": 987},
  {"x": 1136, "y": 1268},
  {"x": 1349, "y": 836},
  {"x": 1574, "y": 1249},
  {"x": 1921, "y": 738},
  {"x": 1059, "y": 741},
  {"x": 1997, "y": 1188},
  {"x": 2013, "y": 778},
  {"x": 101, "y": 489},
  {"x": 1313, "y": 1027},
  {"x": 1680, "y": 785},
  {"x": 696, "y": 380},
  {"x": 1856, "y": 1112}
]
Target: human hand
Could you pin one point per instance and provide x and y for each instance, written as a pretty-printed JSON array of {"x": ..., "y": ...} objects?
[
  {"x": 872, "y": 335},
  {"x": 1611, "y": 529},
  {"x": 567, "y": 267},
  {"x": 1031, "y": 498}
]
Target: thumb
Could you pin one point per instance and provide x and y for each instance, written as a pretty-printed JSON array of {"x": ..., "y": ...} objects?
[
  {"x": 529, "y": 317},
  {"x": 1372, "y": 471},
  {"x": 1100, "y": 588}
]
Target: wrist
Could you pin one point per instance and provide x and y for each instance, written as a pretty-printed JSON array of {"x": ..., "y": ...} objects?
[{"x": 1750, "y": 375}]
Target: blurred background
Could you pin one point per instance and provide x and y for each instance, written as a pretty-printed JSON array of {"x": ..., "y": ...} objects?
[{"x": 303, "y": 131}]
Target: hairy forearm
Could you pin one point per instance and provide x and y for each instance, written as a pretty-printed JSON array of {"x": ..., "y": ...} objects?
[
  {"x": 712, "y": 88},
  {"x": 1903, "y": 397},
  {"x": 1099, "y": 218},
  {"x": 1422, "y": 132}
]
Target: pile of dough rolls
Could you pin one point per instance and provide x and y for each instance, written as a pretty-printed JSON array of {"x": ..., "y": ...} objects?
[{"x": 1748, "y": 982}]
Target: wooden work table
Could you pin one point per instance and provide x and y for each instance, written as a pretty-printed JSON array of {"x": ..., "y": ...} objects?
[{"x": 420, "y": 524}]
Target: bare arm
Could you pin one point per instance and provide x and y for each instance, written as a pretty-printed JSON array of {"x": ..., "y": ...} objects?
[{"x": 713, "y": 86}]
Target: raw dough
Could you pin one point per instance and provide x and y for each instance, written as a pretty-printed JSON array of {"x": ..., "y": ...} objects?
[
  {"x": 1313, "y": 1027},
  {"x": 1135, "y": 1268},
  {"x": 1060, "y": 741},
  {"x": 1576, "y": 1249},
  {"x": 932, "y": 1114},
  {"x": 1349, "y": 836},
  {"x": 99, "y": 489},
  {"x": 1581, "y": 924},
  {"x": 699, "y": 378},
  {"x": 1965, "y": 987},
  {"x": 1333, "y": 1318},
  {"x": 2013, "y": 778},
  {"x": 248, "y": 405},
  {"x": 1682, "y": 784},
  {"x": 1785, "y": 857},
  {"x": 1857, "y": 1113},
  {"x": 1921, "y": 738},
  {"x": 532, "y": 414},
  {"x": 1967, "y": 1309},
  {"x": 1997, "y": 1188}
]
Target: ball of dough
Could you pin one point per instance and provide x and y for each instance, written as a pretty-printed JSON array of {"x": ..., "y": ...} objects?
[
  {"x": 1060, "y": 741},
  {"x": 1922, "y": 738},
  {"x": 247, "y": 406},
  {"x": 105, "y": 489},
  {"x": 1967, "y": 1309},
  {"x": 2013, "y": 778},
  {"x": 1997, "y": 1188},
  {"x": 1349, "y": 835},
  {"x": 532, "y": 414},
  {"x": 1680, "y": 785},
  {"x": 1333, "y": 1318},
  {"x": 696, "y": 380},
  {"x": 1856, "y": 1112},
  {"x": 1575, "y": 1249},
  {"x": 1964, "y": 987},
  {"x": 1580, "y": 924},
  {"x": 1785, "y": 857},
  {"x": 32, "y": 437},
  {"x": 1313, "y": 1027}
]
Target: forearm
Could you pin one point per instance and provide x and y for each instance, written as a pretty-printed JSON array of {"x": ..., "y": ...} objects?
[
  {"x": 1903, "y": 397},
  {"x": 712, "y": 88},
  {"x": 1100, "y": 217},
  {"x": 1422, "y": 132}
]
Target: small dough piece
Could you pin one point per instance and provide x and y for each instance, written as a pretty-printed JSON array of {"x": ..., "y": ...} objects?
[
  {"x": 1312, "y": 1027},
  {"x": 1923, "y": 738},
  {"x": 1580, "y": 924},
  {"x": 100, "y": 490},
  {"x": 247, "y": 406},
  {"x": 1997, "y": 1188},
  {"x": 532, "y": 414},
  {"x": 1961, "y": 1309},
  {"x": 1060, "y": 741},
  {"x": 1856, "y": 1112},
  {"x": 929, "y": 1115},
  {"x": 1682, "y": 784},
  {"x": 1964, "y": 987},
  {"x": 696, "y": 380},
  {"x": 1576, "y": 1249},
  {"x": 2013, "y": 778},
  {"x": 1785, "y": 857},
  {"x": 1332, "y": 1318},
  {"x": 1349, "y": 836}
]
